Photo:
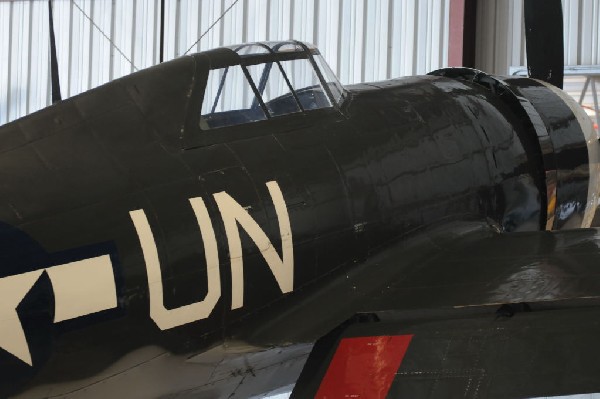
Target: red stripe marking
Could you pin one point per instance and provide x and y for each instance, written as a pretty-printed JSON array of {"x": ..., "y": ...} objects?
[{"x": 364, "y": 367}]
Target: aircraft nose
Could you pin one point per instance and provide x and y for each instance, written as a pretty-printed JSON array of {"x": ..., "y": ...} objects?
[
  {"x": 593, "y": 147},
  {"x": 569, "y": 148}
]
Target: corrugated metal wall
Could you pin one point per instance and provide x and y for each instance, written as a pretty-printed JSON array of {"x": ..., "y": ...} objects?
[
  {"x": 500, "y": 39},
  {"x": 363, "y": 40},
  {"x": 501, "y": 36}
]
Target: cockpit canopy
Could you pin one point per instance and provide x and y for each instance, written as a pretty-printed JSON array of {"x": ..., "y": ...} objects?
[{"x": 260, "y": 81}]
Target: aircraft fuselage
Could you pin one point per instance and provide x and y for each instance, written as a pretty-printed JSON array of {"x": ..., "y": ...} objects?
[{"x": 126, "y": 226}]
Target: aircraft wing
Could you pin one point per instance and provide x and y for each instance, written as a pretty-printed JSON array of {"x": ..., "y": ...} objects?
[
  {"x": 457, "y": 311},
  {"x": 549, "y": 350},
  {"x": 487, "y": 315}
]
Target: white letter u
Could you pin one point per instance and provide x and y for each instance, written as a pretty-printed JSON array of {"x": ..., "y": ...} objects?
[{"x": 170, "y": 318}]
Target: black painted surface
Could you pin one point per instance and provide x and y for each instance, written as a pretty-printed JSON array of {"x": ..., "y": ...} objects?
[{"x": 373, "y": 189}]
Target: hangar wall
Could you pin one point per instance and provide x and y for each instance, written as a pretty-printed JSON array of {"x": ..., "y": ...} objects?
[
  {"x": 362, "y": 40},
  {"x": 500, "y": 34}
]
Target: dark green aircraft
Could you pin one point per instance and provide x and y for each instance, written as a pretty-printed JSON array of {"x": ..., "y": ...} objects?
[{"x": 203, "y": 227}]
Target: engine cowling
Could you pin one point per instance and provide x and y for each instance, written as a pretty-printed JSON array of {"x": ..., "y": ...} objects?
[{"x": 569, "y": 150}]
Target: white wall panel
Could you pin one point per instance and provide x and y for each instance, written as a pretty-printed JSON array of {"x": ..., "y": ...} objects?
[
  {"x": 363, "y": 40},
  {"x": 20, "y": 67}
]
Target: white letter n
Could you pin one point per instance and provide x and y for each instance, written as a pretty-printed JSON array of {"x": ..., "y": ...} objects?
[{"x": 281, "y": 267}]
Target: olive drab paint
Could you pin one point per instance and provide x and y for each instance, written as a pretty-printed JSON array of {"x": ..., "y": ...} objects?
[{"x": 234, "y": 217}]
